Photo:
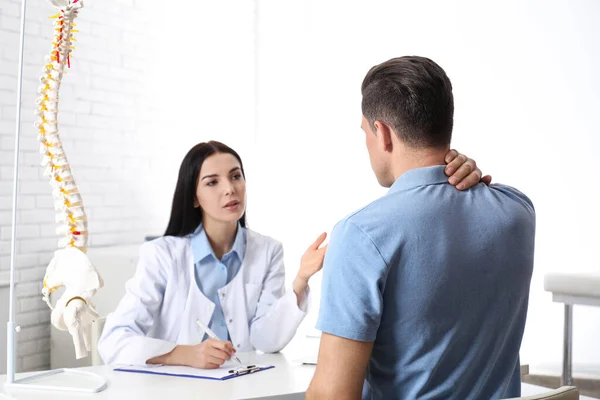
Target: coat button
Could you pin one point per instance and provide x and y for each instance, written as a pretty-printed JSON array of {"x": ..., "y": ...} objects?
[
  {"x": 230, "y": 321},
  {"x": 222, "y": 294},
  {"x": 238, "y": 346}
]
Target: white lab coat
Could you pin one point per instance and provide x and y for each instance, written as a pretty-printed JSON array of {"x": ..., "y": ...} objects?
[{"x": 163, "y": 301}]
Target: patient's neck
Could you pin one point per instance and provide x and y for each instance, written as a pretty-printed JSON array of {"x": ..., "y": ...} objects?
[{"x": 407, "y": 158}]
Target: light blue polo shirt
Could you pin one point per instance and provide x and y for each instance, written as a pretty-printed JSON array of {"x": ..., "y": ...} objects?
[
  {"x": 212, "y": 274},
  {"x": 439, "y": 280}
]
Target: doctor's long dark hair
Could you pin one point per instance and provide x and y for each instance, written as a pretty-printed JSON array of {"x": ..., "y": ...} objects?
[{"x": 185, "y": 218}]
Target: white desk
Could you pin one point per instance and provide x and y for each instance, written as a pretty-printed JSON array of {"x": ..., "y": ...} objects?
[{"x": 287, "y": 381}]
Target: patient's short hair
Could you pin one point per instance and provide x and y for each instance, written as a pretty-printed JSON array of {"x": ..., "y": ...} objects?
[{"x": 413, "y": 96}]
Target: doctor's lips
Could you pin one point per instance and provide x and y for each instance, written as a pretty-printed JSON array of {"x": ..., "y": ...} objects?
[{"x": 232, "y": 205}]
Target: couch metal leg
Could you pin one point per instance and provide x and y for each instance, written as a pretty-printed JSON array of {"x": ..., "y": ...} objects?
[{"x": 567, "y": 378}]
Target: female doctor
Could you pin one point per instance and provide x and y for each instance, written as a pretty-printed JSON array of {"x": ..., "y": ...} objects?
[{"x": 209, "y": 267}]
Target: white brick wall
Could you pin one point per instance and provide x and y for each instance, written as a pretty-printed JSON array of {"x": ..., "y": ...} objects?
[
  {"x": 132, "y": 104},
  {"x": 107, "y": 121}
]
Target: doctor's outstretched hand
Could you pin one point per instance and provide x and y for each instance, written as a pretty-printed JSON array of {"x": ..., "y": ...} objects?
[
  {"x": 210, "y": 354},
  {"x": 311, "y": 263}
]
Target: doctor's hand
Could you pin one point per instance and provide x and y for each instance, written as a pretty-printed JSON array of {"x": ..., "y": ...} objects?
[
  {"x": 210, "y": 354},
  {"x": 463, "y": 171},
  {"x": 311, "y": 263}
]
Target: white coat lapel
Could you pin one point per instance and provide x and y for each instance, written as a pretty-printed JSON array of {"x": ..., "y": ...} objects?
[
  {"x": 197, "y": 306},
  {"x": 233, "y": 299}
]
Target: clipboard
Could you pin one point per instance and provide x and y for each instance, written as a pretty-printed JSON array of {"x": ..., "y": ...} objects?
[{"x": 224, "y": 373}]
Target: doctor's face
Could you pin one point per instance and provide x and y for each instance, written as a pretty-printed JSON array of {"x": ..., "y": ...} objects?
[{"x": 221, "y": 189}]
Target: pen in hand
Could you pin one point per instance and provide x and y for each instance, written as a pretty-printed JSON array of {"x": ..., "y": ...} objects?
[{"x": 212, "y": 335}]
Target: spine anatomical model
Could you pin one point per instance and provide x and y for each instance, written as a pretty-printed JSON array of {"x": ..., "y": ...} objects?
[{"x": 70, "y": 266}]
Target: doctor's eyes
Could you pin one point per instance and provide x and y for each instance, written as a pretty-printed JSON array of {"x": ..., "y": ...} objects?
[{"x": 235, "y": 177}]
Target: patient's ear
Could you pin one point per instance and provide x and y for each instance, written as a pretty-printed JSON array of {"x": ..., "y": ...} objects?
[{"x": 384, "y": 136}]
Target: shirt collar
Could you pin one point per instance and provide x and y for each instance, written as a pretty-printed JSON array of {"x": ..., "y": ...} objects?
[
  {"x": 201, "y": 247},
  {"x": 420, "y": 177}
]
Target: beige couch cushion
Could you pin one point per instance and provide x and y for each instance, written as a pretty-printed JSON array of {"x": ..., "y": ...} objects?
[
  {"x": 574, "y": 284},
  {"x": 562, "y": 393}
]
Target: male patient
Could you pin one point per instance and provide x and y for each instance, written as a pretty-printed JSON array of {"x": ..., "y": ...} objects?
[{"x": 424, "y": 290}]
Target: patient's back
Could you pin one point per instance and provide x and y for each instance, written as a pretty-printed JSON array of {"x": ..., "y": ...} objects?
[{"x": 439, "y": 280}]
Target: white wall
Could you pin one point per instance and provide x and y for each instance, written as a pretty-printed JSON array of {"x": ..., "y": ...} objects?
[
  {"x": 526, "y": 91},
  {"x": 144, "y": 88},
  {"x": 107, "y": 127},
  {"x": 204, "y": 74}
]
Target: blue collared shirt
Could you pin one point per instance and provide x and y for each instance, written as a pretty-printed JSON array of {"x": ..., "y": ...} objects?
[
  {"x": 439, "y": 280},
  {"x": 212, "y": 274}
]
